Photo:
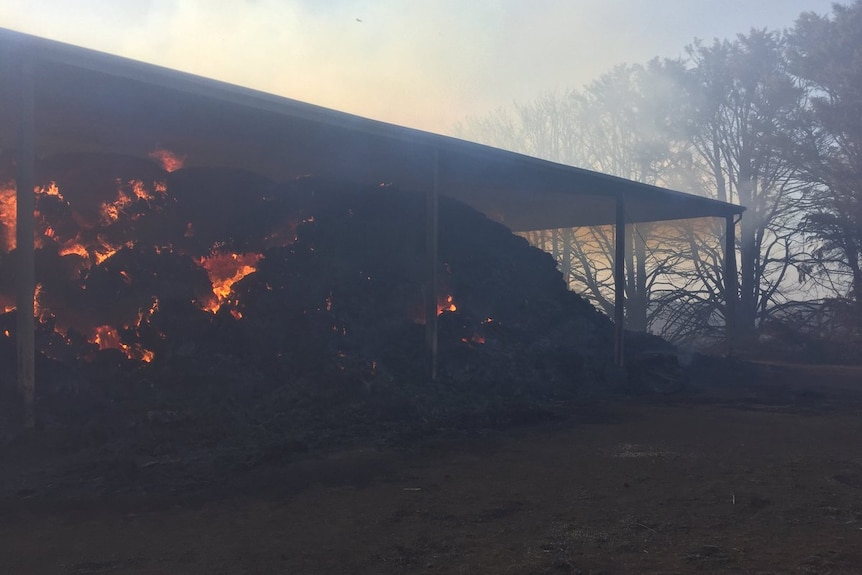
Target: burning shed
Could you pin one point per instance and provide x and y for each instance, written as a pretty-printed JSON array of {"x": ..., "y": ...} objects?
[{"x": 119, "y": 130}]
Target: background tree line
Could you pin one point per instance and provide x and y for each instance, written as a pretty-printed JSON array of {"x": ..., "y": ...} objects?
[{"x": 771, "y": 120}]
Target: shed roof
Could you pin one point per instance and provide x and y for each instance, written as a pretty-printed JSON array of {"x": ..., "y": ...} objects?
[{"x": 89, "y": 101}]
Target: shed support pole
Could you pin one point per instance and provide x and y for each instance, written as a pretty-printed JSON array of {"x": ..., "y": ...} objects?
[
  {"x": 619, "y": 282},
  {"x": 25, "y": 272},
  {"x": 731, "y": 283},
  {"x": 431, "y": 242}
]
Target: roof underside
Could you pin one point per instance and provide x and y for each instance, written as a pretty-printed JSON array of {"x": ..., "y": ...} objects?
[{"x": 92, "y": 102}]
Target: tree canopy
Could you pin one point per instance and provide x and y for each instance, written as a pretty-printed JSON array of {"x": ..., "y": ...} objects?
[{"x": 771, "y": 120}]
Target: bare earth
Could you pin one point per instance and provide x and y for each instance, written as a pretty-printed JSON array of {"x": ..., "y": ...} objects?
[{"x": 758, "y": 477}]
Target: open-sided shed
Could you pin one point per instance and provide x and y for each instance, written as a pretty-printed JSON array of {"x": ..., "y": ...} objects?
[{"x": 56, "y": 98}]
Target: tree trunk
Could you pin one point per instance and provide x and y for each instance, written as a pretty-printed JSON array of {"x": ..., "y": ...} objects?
[
  {"x": 638, "y": 303},
  {"x": 746, "y": 313}
]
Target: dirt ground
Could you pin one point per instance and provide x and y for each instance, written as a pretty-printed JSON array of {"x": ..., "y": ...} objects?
[{"x": 763, "y": 475}]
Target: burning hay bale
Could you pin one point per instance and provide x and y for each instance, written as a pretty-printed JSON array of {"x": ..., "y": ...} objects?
[
  {"x": 308, "y": 290},
  {"x": 311, "y": 273}
]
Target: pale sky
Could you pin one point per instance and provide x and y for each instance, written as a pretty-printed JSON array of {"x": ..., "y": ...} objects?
[{"x": 421, "y": 63}]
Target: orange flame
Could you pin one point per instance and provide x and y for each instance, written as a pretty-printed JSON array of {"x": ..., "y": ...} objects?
[
  {"x": 448, "y": 304},
  {"x": 139, "y": 190},
  {"x": 107, "y": 337},
  {"x": 8, "y": 208},
  {"x": 146, "y": 314},
  {"x": 51, "y": 190},
  {"x": 170, "y": 161},
  {"x": 224, "y": 270},
  {"x": 144, "y": 355},
  {"x": 74, "y": 246},
  {"x": 110, "y": 211},
  {"x": 8, "y": 212},
  {"x": 105, "y": 249}
]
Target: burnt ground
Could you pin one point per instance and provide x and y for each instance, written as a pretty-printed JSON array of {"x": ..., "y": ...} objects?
[{"x": 760, "y": 475}]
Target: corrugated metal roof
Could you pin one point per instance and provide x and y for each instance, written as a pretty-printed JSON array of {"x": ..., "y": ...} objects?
[{"x": 88, "y": 101}]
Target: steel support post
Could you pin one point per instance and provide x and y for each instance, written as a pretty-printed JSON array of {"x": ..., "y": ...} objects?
[
  {"x": 431, "y": 243},
  {"x": 25, "y": 269},
  {"x": 731, "y": 283}
]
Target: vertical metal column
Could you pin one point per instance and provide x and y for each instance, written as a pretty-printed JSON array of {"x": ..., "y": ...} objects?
[
  {"x": 731, "y": 283},
  {"x": 25, "y": 269},
  {"x": 431, "y": 240},
  {"x": 619, "y": 282}
]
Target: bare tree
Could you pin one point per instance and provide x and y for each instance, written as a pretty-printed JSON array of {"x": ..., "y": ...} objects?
[
  {"x": 716, "y": 124},
  {"x": 740, "y": 101},
  {"x": 824, "y": 55},
  {"x": 615, "y": 125}
]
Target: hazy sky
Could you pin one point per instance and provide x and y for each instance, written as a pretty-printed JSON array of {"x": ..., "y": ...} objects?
[{"x": 420, "y": 63}]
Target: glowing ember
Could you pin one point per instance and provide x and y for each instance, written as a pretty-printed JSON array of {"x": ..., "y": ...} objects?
[
  {"x": 142, "y": 354},
  {"x": 448, "y": 304},
  {"x": 106, "y": 337},
  {"x": 170, "y": 161},
  {"x": 105, "y": 249},
  {"x": 75, "y": 247},
  {"x": 224, "y": 270},
  {"x": 145, "y": 315}
]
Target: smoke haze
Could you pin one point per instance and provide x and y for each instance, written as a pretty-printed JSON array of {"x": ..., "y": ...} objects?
[{"x": 423, "y": 63}]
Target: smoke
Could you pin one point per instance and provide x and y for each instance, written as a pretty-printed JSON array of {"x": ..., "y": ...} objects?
[{"x": 421, "y": 63}]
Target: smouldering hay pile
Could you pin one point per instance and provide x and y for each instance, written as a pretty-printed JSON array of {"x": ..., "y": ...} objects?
[{"x": 231, "y": 303}]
